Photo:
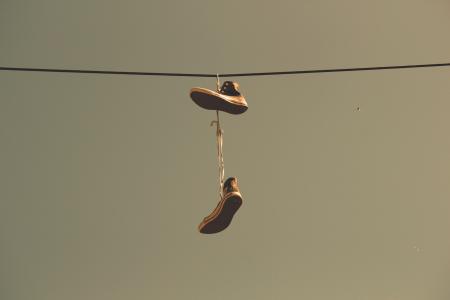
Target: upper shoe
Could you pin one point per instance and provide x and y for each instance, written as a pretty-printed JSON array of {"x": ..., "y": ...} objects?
[
  {"x": 228, "y": 99},
  {"x": 222, "y": 215}
]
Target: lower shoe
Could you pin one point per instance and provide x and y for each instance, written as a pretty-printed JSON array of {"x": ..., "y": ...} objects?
[
  {"x": 228, "y": 99},
  {"x": 222, "y": 215}
]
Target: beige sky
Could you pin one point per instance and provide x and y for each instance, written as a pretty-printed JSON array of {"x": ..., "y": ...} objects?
[{"x": 104, "y": 179}]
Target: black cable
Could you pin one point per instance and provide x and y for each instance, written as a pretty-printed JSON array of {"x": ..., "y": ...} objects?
[
  {"x": 225, "y": 75},
  {"x": 105, "y": 72},
  {"x": 337, "y": 70}
]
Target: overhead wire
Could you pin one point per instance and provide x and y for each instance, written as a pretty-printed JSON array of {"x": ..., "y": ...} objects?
[{"x": 275, "y": 73}]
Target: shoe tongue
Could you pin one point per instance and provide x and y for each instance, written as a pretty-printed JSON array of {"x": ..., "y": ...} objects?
[
  {"x": 229, "y": 184},
  {"x": 230, "y": 88}
]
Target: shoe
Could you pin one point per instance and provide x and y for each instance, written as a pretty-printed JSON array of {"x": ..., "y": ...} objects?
[
  {"x": 228, "y": 99},
  {"x": 222, "y": 215}
]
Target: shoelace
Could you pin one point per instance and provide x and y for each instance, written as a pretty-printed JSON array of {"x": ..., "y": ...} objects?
[{"x": 219, "y": 138}]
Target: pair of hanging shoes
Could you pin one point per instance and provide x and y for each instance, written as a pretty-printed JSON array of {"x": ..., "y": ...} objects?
[
  {"x": 227, "y": 99},
  {"x": 222, "y": 215}
]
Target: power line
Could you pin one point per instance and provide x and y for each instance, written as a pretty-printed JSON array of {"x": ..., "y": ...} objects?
[
  {"x": 105, "y": 72},
  {"x": 313, "y": 71},
  {"x": 338, "y": 70}
]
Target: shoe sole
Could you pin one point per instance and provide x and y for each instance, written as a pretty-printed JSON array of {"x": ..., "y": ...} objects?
[
  {"x": 221, "y": 217},
  {"x": 212, "y": 102}
]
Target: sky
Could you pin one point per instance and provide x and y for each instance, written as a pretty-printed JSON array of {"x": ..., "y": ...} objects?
[{"x": 344, "y": 176}]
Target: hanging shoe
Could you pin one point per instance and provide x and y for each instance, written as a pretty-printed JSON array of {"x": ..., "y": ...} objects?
[
  {"x": 222, "y": 215},
  {"x": 228, "y": 99}
]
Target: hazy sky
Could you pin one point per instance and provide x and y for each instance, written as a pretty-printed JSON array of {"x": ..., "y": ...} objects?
[{"x": 105, "y": 178}]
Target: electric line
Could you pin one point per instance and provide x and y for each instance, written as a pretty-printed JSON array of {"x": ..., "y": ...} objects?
[
  {"x": 338, "y": 70},
  {"x": 105, "y": 72},
  {"x": 313, "y": 71}
]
